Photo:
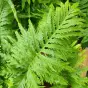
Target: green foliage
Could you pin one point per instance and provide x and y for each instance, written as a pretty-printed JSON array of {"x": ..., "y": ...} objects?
[
  {"x": 5, "y": 19},
  {"x": 45, "y": 52},
  {"x": 83, "y": 4}
]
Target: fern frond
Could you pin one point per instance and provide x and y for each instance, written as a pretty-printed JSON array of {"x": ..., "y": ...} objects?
[
  {"x": 5, "y": 18},
  {"x": 39, "y": 54},
  {"x": 83, "y": 5},
  {"x": 6, "y": 32}
]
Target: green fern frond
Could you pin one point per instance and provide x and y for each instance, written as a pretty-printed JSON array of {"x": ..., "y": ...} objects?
[
  {"x": 83, "y": 5},
  {"x": 43, "y": 53},
  {"x": 5, "y": 18}
]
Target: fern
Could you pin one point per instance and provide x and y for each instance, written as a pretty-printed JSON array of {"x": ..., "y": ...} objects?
[
  {"x": 6, "y": 20},
  {"x": 45, "y": 54},
  {"x": 83, "y": 5}
]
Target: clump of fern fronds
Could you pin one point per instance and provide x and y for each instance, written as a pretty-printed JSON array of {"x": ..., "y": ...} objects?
[{"x": 46, "y": 52}]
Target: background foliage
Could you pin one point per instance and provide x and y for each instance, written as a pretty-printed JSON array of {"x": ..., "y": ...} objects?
[{"x": 40, "y": 42}]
